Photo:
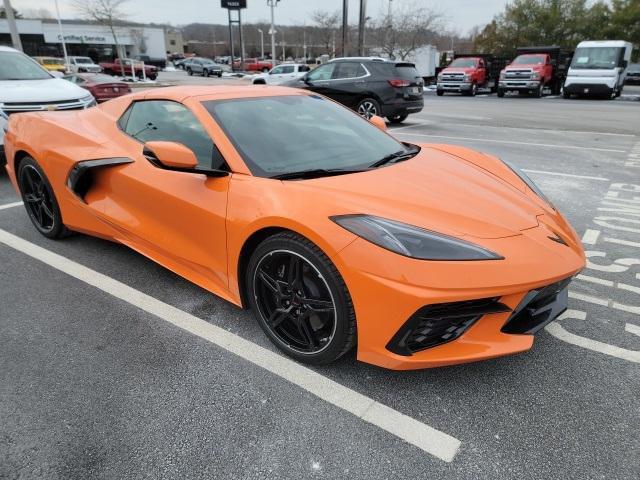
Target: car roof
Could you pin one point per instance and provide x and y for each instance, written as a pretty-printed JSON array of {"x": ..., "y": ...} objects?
[
  {"x": 8, "y": 49},
  {"x": 361, "y": 59},
  {"x": 215, "y": 92}
]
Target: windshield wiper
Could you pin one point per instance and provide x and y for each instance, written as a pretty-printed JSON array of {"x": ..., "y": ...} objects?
[
  {"x": 314, "y": 173},
  {"x": 395, "y": 157}
]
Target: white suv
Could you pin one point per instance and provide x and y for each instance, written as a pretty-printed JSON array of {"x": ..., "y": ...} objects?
[
  {"x": 281, "y": 73},
  {"x": 27, "y": 87},
  {"x": 83, "y": 65}
]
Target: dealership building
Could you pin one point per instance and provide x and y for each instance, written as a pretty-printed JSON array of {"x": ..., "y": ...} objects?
[{"x": 42, "y": 37}]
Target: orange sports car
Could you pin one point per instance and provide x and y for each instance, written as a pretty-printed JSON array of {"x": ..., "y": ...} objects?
[{"x": 332, "y": 231}]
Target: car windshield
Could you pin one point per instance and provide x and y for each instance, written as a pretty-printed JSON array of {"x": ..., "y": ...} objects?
[
  {"x": 463, "y": 63},
  {"x": 286, "y": 134},
  {"x": 17, "y": 66},
  {"x": 596, "y": 57},
  {"x": 529, "y": 60},
  {"x": 83, "y": 60}
]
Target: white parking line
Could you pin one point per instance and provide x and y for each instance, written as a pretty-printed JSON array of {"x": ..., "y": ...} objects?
[
  {"x": 491, "y": 140},
  {"x": 590, "y": 236},
  {"x": 571, "y": 175},
  {"x": 10, "y": 205},
  {"x": 432, "y": 441},
  {"x": 632, "y": 328}
]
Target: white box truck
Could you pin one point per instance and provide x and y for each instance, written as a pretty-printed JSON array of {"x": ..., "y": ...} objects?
[{"x": 598, "y": 68}]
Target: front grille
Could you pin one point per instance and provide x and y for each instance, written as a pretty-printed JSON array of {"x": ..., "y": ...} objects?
[
  {"x": 452, "y": 77},
  {"x": 16, "y": 107},
  {"x": 441, "y": 323},
  {"x": 517, "y": 74},
  {"x": 538, "y": 308}
]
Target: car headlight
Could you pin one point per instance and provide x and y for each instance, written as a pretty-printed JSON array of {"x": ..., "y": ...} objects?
[
  {"x": 502, "y": 75},
  {"x": 411, "y": 241},
  {"x": 530, "y": 183},
  {"x": 440, "y": 77},
  {"x": 535, "y": 76},
  {"x": 89, "y": 101}
]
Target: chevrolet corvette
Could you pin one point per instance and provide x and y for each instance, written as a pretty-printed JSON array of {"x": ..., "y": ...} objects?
[{"x": 335, "y": 234}]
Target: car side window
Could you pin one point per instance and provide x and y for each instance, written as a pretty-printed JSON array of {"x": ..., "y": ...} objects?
[
  {"x": 347, "y": 70},
  {"x": 276, "y": 71},
  {"x": 304, "y": 68},
  {"x": 323, "y": 72},
  {"x": 169, "y": 121},
  {"x": 287, "y": 69}
]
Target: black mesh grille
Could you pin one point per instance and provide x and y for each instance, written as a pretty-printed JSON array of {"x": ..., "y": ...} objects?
[
  {"x": 441, "y": 323},
  {"x": 538, "y": 308}
]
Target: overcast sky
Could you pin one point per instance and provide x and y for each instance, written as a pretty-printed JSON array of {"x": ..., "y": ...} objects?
[{"x": 461, "y": 15}]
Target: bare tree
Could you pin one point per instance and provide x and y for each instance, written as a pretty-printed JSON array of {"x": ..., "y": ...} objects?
[
  {"x": 410, "y": 26},
  {"x": 104, "y": 12},
  {"x": 326, "y": 26}
]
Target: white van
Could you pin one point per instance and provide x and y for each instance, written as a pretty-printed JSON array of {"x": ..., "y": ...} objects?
[
  {"x": 598, "y": 68},
  {"x": 83, "y": 65},
  {"x": 27, "y": 87}
]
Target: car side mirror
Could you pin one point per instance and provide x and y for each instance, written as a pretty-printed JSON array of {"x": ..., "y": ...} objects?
[
  {"x": 170, "y": 155},
  {"x": 379, "y": 122},
  {"x": 625, "y": 64}
]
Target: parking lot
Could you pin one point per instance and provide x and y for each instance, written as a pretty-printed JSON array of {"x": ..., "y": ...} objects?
[{"x": 113, "y": 367}]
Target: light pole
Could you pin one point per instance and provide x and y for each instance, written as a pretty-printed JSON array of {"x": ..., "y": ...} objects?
[
  {"x": 11, "y": 20},
  {"x": 345, "y": 27},
  {"x": 272, "y": 32},
  {"x": 361, "y": 26},
  {"x": 261, "y": 44},
  {"x": 64, "y": 45}
]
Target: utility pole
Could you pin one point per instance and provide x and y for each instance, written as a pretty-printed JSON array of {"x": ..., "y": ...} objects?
[
  {"x": 345, "y": 27},
  {"x": 64, "y": 44},
  {"x": 361, "y": 26},
  {"x": 272, "y": 32},
  {"x": 13, "y": 29},
  {"x": 261, "y": 44}
]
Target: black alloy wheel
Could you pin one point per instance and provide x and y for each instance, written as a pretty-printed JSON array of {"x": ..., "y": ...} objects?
[
  {"x": 39, "y": 200},
  {"x": 300, "y": 300},
  {"x": 368, "y": 107}
]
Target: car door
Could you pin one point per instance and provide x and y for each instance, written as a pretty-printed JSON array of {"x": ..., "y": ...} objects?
[
  {"x": 273, "y": 77},
  {"x": 318, "y": 80},
  {"x": 287, "y": 73},
  {"x": 348, "y": 83},
  {"x": 176, "y": 218}
]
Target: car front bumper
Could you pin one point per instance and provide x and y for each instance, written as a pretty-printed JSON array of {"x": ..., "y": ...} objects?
[
  {"x": 519, "y": 85},
  {"x": 388, "y": 293},
  {"x": 454, "y": 86},
  {"x": 588, "y": 88}
]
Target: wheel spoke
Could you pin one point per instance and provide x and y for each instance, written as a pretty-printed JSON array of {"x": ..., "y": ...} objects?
[
  {"x": 269, "y": 281},
  {"x": 318, "y": 305},
  {"x": 307, "y": 332},
  {"x": 31, "y": 198},
  {"x": 294, "y": 275},
  {"x": 46, "y": 210},
  {"x": 38, "y": 212},
  {"x": 27, "y": 175},
  {"x": 278, "y": 316}
]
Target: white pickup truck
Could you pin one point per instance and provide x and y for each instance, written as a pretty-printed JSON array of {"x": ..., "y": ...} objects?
[{"x": 27, "y": 87}]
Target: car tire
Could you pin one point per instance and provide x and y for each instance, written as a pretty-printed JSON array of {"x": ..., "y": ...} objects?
[
  {"x": 539, "y": 91},
  {"x": 189, "y": 71},
  {"x": 205, "y": 72},
  {"x": 300, "y": 300},
  {"x": 367, "y": 107},
  {"x": 220, "y": 75},
  {"x": 395, "y": 119},
  {"x": 474, "y": 90},
  {"x": 40, "y": 200},
  {"x": 259, "y": 82},
  {"x": 440, "y": 92},
  {"x": 566, "y": 95},
  {"x": 500, "y": 92}
]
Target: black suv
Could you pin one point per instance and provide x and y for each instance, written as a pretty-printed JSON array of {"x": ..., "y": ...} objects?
[{"x": 370, "y": 86}]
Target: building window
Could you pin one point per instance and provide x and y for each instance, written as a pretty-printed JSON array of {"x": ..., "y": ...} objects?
[{"x": 172, "y": 42}]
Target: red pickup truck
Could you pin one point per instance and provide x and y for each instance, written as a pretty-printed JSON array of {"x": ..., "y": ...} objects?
[
  {"x": 130, "y": 66},
  {"x": 534, "y": 69},
  {"x": 468, "y": 73},
  {"x": 254, "y": 65}
]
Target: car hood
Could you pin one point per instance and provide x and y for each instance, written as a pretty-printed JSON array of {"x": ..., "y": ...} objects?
[
  {"x": 458, "y": 70},
  {"x": 434, "y": 190},
  {"x": 532, "y": 66},
  {"x": 33, "y": 91}
]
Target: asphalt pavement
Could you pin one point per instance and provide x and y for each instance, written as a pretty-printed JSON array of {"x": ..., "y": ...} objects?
[{"x": 93, "y": 385}]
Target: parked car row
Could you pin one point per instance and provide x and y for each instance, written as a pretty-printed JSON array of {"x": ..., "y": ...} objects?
[{"x": 596, "y": 68}]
